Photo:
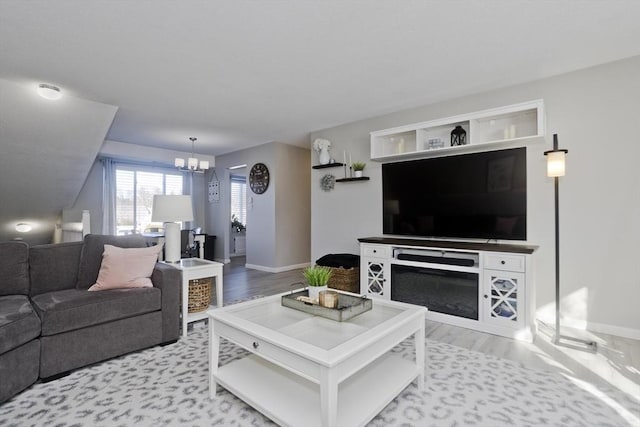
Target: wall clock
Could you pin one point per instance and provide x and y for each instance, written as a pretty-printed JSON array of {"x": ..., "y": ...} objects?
[{"x": 259, "y": 178}]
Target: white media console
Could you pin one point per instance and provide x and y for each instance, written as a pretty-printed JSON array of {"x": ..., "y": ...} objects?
[{"x": 482, "y": 286}]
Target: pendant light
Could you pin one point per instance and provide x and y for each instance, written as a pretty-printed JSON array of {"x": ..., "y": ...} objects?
[{"x": 192, "y": 164}]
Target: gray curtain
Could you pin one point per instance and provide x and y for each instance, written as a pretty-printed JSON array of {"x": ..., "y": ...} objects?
[
  {"x": 108, "y": 196},
  {"x": 187, "y": 189}
]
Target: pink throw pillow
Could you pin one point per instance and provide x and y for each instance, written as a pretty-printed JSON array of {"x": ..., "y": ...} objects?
[{"x": 126, "y": 268}]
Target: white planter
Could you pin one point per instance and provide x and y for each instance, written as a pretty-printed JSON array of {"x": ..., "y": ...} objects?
[
  {"x": 314, "y": 291},
  {"x": 357, "y": 174}
]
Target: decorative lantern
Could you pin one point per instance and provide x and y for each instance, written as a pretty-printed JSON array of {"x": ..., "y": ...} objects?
[{"x": 458, "y": 136}]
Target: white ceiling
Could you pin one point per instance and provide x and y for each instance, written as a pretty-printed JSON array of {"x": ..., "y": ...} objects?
[
  {"x": 48, "y": 148},
  {"x": 241, "y": 73}
]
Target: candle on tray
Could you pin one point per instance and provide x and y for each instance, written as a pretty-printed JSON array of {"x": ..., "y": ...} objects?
[{"x": 328, "y": 299}]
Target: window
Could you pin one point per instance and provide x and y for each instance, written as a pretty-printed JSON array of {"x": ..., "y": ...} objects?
[
  {"x": 239, "y": 198},
  {"x": 135, "y": 188}
]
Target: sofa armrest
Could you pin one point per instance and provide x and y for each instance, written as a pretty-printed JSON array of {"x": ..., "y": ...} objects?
[{"x": 169, "y": 280}]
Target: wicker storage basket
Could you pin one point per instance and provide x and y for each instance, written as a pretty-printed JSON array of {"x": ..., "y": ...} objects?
[
  {"x": 199, "y": 294},
  {"x": 345, "y": 279}
]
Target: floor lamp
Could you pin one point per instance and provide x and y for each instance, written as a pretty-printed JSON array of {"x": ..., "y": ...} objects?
[
  {"x": 556, "y": 169},
  {"x": 171, "y": 209}
]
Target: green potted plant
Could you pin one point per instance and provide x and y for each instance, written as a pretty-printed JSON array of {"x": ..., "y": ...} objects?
[
  {"x": 317, "y": 278},
  {"x": 236, "y": 225},
  {"x": 358, "y": 167}
]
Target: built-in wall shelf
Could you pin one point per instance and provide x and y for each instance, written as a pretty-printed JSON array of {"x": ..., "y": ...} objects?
[
  {"x": 362, "y": 178},
  {"x": 485, "y": 130},
  {"x": 328, "y": 165}
]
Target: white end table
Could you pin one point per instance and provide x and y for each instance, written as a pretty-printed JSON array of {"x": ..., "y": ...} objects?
[{"x": 196, "y": 268}]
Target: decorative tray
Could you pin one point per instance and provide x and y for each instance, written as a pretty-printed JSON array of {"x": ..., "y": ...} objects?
[{"x": 348, "y": 307}]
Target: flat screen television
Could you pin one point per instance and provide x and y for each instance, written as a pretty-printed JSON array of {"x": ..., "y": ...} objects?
[{"x": 478, "y": 195}]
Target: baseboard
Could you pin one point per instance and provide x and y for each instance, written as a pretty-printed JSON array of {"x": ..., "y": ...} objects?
[
  {"x": 277, "y": 269},
  {"x": 618, "y": 331},
  {"x": 223, "y": 260},
  {"x": 601, "y": 328}
]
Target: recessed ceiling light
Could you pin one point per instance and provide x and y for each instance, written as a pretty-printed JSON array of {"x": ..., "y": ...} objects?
[
  {"x": 23, "y": 227},
  {"x": 49, "y": 92}
]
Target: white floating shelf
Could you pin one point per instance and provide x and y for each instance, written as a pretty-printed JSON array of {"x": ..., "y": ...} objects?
[{"x": 487, "y": 129}]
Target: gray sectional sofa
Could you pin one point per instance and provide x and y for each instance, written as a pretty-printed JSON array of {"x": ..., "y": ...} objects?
[
  {"x": 50, "y": 324},
  {"x": 19, "y": 324}
]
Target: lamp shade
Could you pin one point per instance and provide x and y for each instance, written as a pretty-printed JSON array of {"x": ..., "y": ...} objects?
[
  {"x": 171, "y": 208},
  {"x": 192, "y": 163},
  {"x": 556, "y": 163}
]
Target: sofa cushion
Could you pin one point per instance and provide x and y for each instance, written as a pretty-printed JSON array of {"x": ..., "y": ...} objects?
[
  {"x": 54, "y": 267},
  {"x": 126, "y": 267},
  {"x": 18, "y": 322},
  {"x": 91, "y": 256},
  {"x": 72, "y": 309},
  {"x": 14, "y": 268}
]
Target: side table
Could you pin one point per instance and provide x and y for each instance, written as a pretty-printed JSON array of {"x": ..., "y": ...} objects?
[{"x": 196, "y": 268}]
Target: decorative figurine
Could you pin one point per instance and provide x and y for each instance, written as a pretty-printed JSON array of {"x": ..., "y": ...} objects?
[
  {"x": 322, "y": 146},
  {"x": 458, "y": 136}
]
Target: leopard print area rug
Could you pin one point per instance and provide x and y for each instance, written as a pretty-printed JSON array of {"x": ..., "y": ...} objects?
[{"x": 168, "y": 386}]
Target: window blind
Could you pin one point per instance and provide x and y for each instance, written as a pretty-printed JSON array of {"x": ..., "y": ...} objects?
[
  {"x": 135, "y": 188},
  {"x": 238, "y": 198}
]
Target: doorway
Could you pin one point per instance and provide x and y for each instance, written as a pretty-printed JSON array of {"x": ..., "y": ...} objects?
[{"x": 238, "y": 191}]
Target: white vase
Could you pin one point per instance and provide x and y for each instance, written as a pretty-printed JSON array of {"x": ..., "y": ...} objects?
[
  {"x": 325, "y": 158},
  {"x": 357, "y": 174},
  {"x": 314, "y": 291}
]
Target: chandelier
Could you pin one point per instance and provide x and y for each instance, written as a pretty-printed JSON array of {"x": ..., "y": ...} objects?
[{"x": 192, "y": 163}]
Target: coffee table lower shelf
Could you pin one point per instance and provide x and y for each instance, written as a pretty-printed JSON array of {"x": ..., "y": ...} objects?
[{"x": 291, "y": 400}]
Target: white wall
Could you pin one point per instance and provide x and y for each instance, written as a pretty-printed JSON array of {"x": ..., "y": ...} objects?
[
  {"x": 124, "y": 150},
  {"x": 260, "y": 213},
  {"x": 47, "y": 150},
  {"x": 595, "y": 114},
  {"x": 199, "y": 196},
  {"x": 278, "y": 224},
  {"x": 293, "y": 206},
  {"x": 90, "y": 197}
]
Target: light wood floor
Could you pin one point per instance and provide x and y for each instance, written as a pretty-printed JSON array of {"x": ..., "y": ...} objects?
[{"x": 615, "y": 364}]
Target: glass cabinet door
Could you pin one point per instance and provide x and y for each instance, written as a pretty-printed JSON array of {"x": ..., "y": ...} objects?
[
  {"x": 503, "y": 297},
  {"x": 377, "y": 279}
]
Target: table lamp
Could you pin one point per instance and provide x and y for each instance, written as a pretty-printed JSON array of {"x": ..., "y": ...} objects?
[{"x": 170, "y": 209}]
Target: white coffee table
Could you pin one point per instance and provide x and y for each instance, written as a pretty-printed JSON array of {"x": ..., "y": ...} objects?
[{"x": 306, "y": 370}]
